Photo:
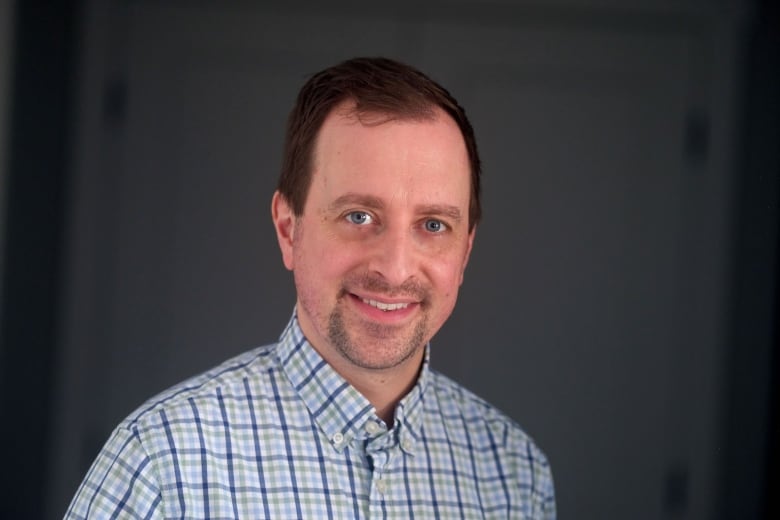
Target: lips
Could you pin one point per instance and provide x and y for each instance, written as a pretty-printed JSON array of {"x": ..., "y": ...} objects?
[{"x": 382, "y": 301}]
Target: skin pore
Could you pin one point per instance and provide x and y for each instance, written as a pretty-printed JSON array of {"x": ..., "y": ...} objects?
[{"x": 379, "y": 252}]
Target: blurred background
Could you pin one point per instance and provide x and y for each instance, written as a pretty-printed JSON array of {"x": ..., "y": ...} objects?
[{"x": 621, "y": 301}]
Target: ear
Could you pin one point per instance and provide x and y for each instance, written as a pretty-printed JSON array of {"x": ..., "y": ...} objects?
[
  {"x": 284, "y": 223},
  {"x": 470, "y": 244}
]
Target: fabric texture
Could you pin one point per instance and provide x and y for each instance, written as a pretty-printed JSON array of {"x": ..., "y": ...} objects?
[{"x": 277, "y": 433}]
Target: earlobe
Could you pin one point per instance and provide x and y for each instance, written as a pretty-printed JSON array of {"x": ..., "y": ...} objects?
[{"x": 284, "y": 223}]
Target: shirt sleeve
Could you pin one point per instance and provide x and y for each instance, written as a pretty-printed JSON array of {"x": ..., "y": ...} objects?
[
  {"x": 544, "y": 490},
  {"x": 120, "y": 484}
]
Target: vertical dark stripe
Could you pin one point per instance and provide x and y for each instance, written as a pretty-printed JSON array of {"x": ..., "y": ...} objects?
[
  {"x": 228, "y": 451},
  {"x": 385, "y": 514},
  {"x": 750, "y": 455},
  {"x": 250, "y": 404},
  {"x": 315, "y": 433},
  {"x": 454, "y": 466},
  {"x": 407, "y": 485},
  {"x": 352, "y": 488},
  {"x": 287, "y": 444},
  {"x": 474, "y": 470},
  {"x": 434, "y": 500},
  {"x": 174, "y": 456},
  {"x": 500, "y": 470},
  {"x": 531, "y": 468},
  {"x": 39, "y": 111},
  {"x": 204, "y": 471}
]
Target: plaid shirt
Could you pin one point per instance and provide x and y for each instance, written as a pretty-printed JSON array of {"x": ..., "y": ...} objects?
[{"x": 277, "y": 433}]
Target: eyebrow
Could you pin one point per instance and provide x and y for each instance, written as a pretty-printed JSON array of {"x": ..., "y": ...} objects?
[
  {"x": 356, "y": 199},
  {"x": 452, "y": 212},
  {"x": 371, "y": 202}
]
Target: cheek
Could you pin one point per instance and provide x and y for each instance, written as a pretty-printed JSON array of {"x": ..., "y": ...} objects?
[
  {"x": 325, "y": 259},
  {"x": 448, "y": 276}
]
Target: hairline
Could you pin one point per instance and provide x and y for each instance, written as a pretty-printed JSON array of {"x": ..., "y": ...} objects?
[{"x": 349, "y": 108}]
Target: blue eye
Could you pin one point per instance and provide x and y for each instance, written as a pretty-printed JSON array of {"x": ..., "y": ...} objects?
[
  {"x": 359, "y": 217},
  {"x": 434, "y": 226}
]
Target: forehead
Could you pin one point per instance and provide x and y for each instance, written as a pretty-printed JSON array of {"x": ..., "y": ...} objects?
[{"x": 374, "y": 151}]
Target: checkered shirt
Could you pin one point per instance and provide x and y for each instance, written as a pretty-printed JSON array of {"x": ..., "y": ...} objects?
[{"x": 277, "y": 433}]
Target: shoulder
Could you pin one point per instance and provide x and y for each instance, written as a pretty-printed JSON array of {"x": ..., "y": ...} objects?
[
  {"x": 240, "y": 375},
  {"x": 139, "y": 469},
  {"x": 455, "y": 400},
  {"x": 486, "y": 427},
  {"x": 457, "y": 403},
  {"x": 502, "y": 444}
]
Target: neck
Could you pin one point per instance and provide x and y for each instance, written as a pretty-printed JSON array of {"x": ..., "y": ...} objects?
[
  {"x": 384, "y": 391},
  {"x": 383, "y": 388}
]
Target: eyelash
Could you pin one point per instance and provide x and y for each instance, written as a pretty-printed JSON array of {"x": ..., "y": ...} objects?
[{"x": 368, "y": 218}]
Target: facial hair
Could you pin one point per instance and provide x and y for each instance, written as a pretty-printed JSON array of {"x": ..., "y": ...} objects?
[{"x": 390, "y": 347}]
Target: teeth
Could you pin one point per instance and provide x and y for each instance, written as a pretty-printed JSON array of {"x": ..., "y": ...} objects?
[{"x": 385, "y": 306}]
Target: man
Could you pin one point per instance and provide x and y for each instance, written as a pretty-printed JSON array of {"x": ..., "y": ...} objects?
[{"x": 375, "y": 213}]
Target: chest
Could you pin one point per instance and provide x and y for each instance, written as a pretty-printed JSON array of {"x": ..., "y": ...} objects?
[{"x": 296, "y": 471}]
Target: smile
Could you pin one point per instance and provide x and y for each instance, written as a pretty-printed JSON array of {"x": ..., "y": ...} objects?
[{"x": 385, "y": 306}]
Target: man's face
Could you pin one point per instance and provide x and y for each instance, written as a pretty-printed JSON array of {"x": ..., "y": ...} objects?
[{"x": 379, "y": 252}]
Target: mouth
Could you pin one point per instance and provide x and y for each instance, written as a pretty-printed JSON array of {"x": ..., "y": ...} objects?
[{"x": 385, "y": 307}]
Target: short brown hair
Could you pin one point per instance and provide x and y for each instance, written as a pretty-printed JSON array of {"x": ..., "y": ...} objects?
[{"x": 376, "y": 86}]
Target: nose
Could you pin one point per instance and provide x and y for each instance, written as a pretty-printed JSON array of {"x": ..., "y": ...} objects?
[{"x": 394, "y": 256}]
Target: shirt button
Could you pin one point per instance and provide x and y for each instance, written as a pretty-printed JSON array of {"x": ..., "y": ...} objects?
[
  {"x": 381, "y": 487},
  {"x": 406, "y": 444},
  {"x": 372, "y": 427},
  {"x": 338, "y": 438}
]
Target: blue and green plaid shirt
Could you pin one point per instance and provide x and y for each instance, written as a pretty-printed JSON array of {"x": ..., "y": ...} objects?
[{"x": 277, "y": 433}]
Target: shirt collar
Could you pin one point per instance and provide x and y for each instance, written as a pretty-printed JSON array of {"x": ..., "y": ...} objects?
[{"x": 337, "y": 407}]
